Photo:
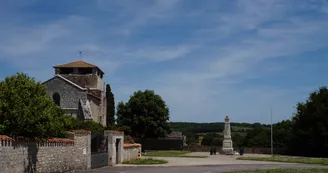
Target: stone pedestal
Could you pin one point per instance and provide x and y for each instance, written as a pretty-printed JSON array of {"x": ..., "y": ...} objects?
[{"x": 227, "y": 146}]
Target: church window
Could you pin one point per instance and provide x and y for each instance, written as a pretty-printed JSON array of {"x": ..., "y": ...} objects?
[{"x": 56, "y": 98}]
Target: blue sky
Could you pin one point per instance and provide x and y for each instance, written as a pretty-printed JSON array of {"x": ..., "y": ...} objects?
[{"x": 207, "y": 59}]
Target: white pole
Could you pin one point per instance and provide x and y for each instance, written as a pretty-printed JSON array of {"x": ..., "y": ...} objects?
[{"x": 271, "y": 133}]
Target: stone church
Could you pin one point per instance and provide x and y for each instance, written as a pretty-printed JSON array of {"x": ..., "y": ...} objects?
[{"x": 78, "y": 88}]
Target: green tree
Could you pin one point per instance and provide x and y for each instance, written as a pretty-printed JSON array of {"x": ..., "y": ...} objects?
[
  {"x": 238, "y": 140},
  {"x": 27, "y": 110},
  {"x": 207, "y": 140},
  {"x": 146, "y": 113},
  {"x": 217, "y": 141},
  {"x": 310, "y": 126},
  {"x": 281, "y": 134},
  {"x": 212, "y": 139},
  {"x": 257, "y": 137},
  {"x": 110, "y": 106}
]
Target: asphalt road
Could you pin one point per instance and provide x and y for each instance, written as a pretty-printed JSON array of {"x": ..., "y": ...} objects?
[{"x": 200, "y": 169}]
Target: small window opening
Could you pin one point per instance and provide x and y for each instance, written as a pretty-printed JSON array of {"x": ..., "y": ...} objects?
[{"x": 56, "y": 98}]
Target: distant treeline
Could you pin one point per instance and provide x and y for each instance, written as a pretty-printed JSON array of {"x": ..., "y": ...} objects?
[{"x": 187, "y": 127}]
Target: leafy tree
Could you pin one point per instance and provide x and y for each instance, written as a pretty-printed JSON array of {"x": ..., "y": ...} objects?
[
  {"x": 192, "y": 138},
  {"x": 237, "y": 139},
  {"x": 146, "y": 113},
  {"x": 110, "y": 106},
  {"x": 125, "y": 129},
  {"x": 310, "y": 126},
  {"x": 257, "y": 137},
  {"x": 281, "y": 134},
  {"x": 207, "y": 140},
  {"x": 217, "y": 141},
  {"x": 212, "y": 139},
  {"x": 27, "y": 110}
]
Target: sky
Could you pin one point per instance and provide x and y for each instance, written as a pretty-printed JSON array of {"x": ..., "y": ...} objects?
[{"x": 207, "y": 59}]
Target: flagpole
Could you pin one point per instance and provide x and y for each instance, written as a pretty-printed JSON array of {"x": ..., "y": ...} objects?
[{"x": 271, "y": 132}]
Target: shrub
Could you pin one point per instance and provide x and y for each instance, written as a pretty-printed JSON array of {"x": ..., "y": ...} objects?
[{"x": 128, "y": 139}]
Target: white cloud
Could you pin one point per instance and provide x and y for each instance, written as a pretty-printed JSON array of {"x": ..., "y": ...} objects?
[
  {"x": 161, "y": 53},
  {"x": 28, "y": 41}
]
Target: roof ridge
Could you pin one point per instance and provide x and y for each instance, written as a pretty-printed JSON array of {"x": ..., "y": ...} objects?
[{"x": 77, "y": 64}]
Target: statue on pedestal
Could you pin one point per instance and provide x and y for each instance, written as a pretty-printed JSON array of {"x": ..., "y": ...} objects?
[{"x": 227, "y": 146}]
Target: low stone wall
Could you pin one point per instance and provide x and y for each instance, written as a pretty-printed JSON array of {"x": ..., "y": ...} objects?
[
  {"x": 131, "y": 151},
  {"x": 51, "y": 155}
]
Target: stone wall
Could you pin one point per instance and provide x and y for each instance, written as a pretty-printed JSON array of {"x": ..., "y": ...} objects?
[
  {"x": 69, "y": 94},
  {"x": 55, "y": 155},
  {"x": 52, "y": 155},
  {"x": 131, "y": 152},
  {"x": 115, "y": 146},
  {"x": 85, "y": 81}
]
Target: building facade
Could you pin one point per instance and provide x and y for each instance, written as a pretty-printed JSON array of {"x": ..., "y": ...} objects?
[{"x": 78, "y": 88}]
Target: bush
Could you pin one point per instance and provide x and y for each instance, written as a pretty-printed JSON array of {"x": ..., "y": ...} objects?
[
  {"x": 128, "y": 140},
  {"x": 125, "y": 129},
  {"x": 92, "y": 126}
]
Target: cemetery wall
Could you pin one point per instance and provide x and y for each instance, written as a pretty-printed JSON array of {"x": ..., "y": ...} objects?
[
  {"x": 131, "y": 152},
  {"x": 50, "y": 155}
]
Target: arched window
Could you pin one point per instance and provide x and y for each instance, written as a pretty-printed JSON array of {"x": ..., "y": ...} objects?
[{"x": 56, "y": 98}]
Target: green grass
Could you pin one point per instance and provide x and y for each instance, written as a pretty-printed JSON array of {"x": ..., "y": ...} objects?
[
  {"x": 289, "y": 159},
  {"x": 149, "y": 161},
  {"x": 285, "y": 171},
  {"x": 171, "y": 154}
]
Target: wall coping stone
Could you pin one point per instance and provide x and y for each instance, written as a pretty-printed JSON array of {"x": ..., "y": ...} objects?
[
  {"x": 131, "y": 145},
  {"x": 81, "y": 132},
  {"x": 5, "y": 138},
  {"x": 115, "y": 132}
]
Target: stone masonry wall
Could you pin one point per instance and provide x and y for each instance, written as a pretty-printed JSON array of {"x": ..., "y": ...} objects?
[
  {"x": 131, "y": 152},
  {"x": 85, "y": 81},
  {"x": 115, "y": 146},
  {"x": 69, "y": 95},
  {"x": 53, "y": 155}
]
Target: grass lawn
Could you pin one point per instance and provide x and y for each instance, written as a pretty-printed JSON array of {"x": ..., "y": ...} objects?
[
  {"x": 289, "y": 159},
  {"x": 145, "y": 162},
  {"x": 171, "y": 154},
  {"x": 285, "y": 171}
]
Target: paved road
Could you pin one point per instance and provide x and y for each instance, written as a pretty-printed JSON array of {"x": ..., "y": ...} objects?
[
  {"x": 199, "y": 169},
  {"x": 215, "y": 164}
]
